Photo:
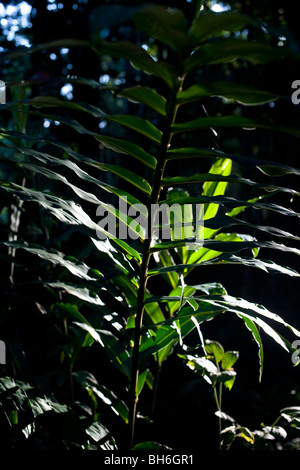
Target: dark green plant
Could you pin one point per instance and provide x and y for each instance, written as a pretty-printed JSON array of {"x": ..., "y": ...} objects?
[
  {"x": 216, "y": 368},
  {"x": 99, "y": 293},
  {"x": 272, "y": 437}
]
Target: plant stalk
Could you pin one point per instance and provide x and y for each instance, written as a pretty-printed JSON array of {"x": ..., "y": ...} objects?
[
  {"x": 218, "y": 400},
  {"x": 156, "y": 188}
]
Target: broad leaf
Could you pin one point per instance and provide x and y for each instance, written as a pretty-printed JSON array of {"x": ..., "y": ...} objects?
[
  {"x": 216, "y": 349},
  {"x": 138, "y": 57},
  {"x": 207, "y": 24},
  {"x": 162, "y": 23},
  {"x": 145, "y": 95}
]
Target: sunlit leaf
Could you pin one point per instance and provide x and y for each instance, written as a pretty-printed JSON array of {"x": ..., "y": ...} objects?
[
  {"x": 216, "y": 349},
  {"x": 207, "y": 24}
]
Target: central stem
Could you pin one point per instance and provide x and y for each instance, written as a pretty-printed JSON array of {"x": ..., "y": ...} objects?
[{"x": 171, "y": 108}]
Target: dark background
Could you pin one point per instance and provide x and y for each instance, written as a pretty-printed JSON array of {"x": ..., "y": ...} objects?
[{"x": 185, "y": 403}]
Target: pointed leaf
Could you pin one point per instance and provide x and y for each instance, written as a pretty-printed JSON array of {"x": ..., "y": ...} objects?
[
  {"x": 232, "y": 121},
  {"x": 129, "y": 148},
  {"x": 268, "y": 266},
  {"x": 71, "y": 213},
  {"x": 89, "y": 381},
  {"x": 145, "y": 95},
  {"x": 76, "y": 267},
  {"x": 21, "y": 51},
  {"x": 214, "y": 188},
  {"x": 140, "y": 125},
  {"x": 228, "y": 50},
  {"x": 202, "y": 178},
  {"x": 243, "y": 94},
  {"x": 127, "y": 175},
  {"x": 163, "y": 23},
  {"x": 139, "y": 58},
  {"x": 267, "y": 167},
  {"x": 207, "y": 24}
]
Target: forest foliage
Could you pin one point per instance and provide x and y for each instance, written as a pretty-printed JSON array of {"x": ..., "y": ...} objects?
[{"x": 91, "y": 320}]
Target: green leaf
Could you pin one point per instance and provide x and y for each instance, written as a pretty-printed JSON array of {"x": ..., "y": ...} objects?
[
  {"x": 238, "y": 206},
  {"x": 229, "y": 359},
  {"x": 271, "y": 432},
  {"x": 202, "y": 364},
  {"x": 71, "y": 213},
  {"x": 182, "y": 293},
  {"x": 229, "y": 383},
  {"x": 99, "y": 433},
  {"x": 141, "y": 381},
  {"x": 225, "y": 246},
  {"x": 216, "y": 349},
  {"x": 213, "y": 288},
  {"x": 148, "y": 445},
  {"x": 226, "y": 376},
  {"x": 43, "y": 101},
  {"x": 89, "y": 381},
  {"x": 207, "y": 253},
  {"x": 139, "y": 58},
  {"x": 246, "y": 434},
  {"x": 94, "y": 334},
  {"x": 145, "y": 95},
  {"x": 140, "y": 125},
  {"x": 243, "y": 306},
  {"x": 167, "y": 334},
  {"x": 163, "y": 23},
  {"x": 232, "y": 121},
  {"x": 75, "y": 267},
  {"x": 267, "y": 266},
  {"x": 267, "y": 167},
  {"x": 243, "y": 94},
  {"x": 52, "y": 160},
  {"x": 202, "y": 178},
  {"x": 226, "y": 221},
  {"x": 215, "y": 188},
  {"x": 129, "y": 176},
  {"x": 292, "y": 415},
  {"x": 178, "y": 153},
  {"x": 153, "y": 313},
  {"x": 90, "y": 197},
  {"x": 207, "y": 24},
  {"x": 82, "y": 293},
  {"x": 254, "y": 312},
  {"x": 228, "y": 50},
  {"x": 21, "y": 51},
  {"x": 164, "y": 259},
  {"x": 68, "y": 311},
  {"x": 129, "y": 148},
  {"x": 116, "y": 352},
  {"x": 209, "y": 370}
]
